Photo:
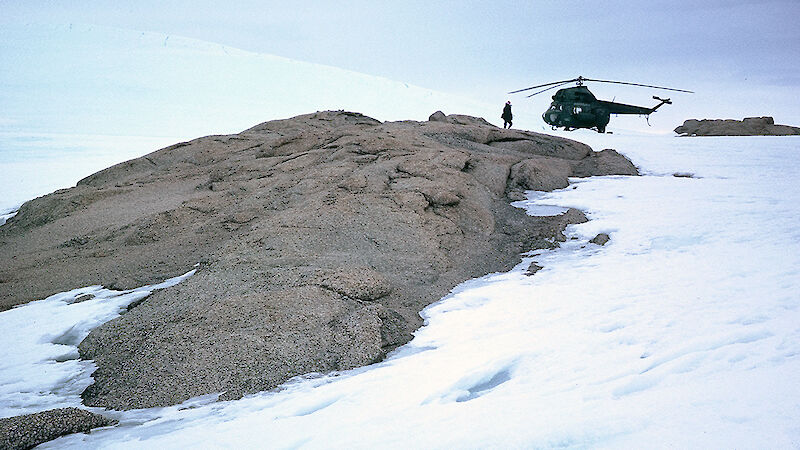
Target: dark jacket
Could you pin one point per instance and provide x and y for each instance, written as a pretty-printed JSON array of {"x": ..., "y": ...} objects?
[{"x": 507, "y": 113}]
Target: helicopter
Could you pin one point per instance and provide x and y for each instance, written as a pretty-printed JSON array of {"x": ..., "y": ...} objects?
[{"x": 576, "y": 107}]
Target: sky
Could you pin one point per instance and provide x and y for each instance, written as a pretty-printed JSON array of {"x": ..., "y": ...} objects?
[{"x": 742, "y": 58}]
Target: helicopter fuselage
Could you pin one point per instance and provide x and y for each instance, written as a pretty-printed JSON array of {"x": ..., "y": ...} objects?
[{"x": 576, "y": 107}]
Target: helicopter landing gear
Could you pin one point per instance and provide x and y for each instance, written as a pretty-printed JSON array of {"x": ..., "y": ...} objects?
[{"x": 602, "y": 118}]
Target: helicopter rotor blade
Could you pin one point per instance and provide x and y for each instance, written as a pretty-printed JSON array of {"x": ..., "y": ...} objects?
[
  {"x": 543, "y": 85},
  {"x": 551, "y": 87},
  {"x": 637, "y": 84}
]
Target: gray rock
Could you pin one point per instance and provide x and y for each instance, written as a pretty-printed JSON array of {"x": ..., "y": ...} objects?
[
  {"x": 538, "y": 144},
  {"x": 605, "y": 162},
  {"x": 750, "y": 126},
  {"x": 360, "y": 283},
  {"x": 83, "y": 298},
  {"x": 600, "y": 239},
  {"x": 571, "y": 216},
  {"x": 320, "y": 239},
  {"x": 532, "y": 269},
  {"x": 438, "y": 116},
  {"x": 30, "y": 430},
  {"x": 541, "y": 173}
]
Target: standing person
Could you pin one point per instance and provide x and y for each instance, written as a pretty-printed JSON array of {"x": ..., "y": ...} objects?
[{"x": 507, "y": 115}]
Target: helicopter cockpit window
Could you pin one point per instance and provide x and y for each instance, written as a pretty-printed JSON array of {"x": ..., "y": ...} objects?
[{"x": 577, "y": 110}]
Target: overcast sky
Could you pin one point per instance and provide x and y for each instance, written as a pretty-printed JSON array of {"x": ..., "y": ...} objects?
[{"x": 484, "y": 49}]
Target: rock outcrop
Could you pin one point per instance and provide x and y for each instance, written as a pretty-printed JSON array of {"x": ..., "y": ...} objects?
[
  {"x": 319, "y": 238},
  {"x": 750, "y": 126},
  {"x": 30, "y": 430}
]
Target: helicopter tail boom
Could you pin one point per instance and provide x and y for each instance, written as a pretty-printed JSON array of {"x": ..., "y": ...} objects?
[
  {"x": 621, "y": 108},
  {"x": 662, "y": 100}
]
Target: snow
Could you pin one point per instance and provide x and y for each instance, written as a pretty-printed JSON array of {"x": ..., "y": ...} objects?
[
  {"x": 88, "y": 79},
  {"x": 7, "y": 213},
  {"x": 534, "y": 205},
  {"x": 40, "y": 368},
  {"x": 682, "y": 331},
  {"x": 77, "y": 98},
  {"x": 40, "y": 163}
]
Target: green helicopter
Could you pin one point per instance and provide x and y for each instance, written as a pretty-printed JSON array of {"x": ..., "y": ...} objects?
[{"x": 576, "y": 107}]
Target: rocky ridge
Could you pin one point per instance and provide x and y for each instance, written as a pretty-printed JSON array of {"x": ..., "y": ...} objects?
[
  {"x": 750, "y": 126},
  {"x": 319, "y": 238}
]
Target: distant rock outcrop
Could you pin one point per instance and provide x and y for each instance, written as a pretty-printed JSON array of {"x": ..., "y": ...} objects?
[
  {"x": 319, "y": 238},
  {"x": 750, "y": 126}
]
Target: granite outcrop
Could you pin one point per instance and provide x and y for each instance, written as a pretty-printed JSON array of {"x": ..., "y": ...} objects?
[
  {"x": 750, "y": 126},
  {"x": 319, "y": 240}
]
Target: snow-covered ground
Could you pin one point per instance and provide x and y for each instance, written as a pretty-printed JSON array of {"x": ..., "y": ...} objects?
[
  {"x": 682, "y": 332},
  {"x": 80, "y": 98}
]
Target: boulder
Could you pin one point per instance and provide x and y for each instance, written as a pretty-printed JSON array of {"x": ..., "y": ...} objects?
[
  {"x": 540, "y": 174},
  {"x": 605, "y": 162},
  {"x": 438, "y": 116}
]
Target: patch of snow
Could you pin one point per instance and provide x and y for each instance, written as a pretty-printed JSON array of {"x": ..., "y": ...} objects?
[
  {"x": 535, "y": 207},
  {"x": 41, "y": 368},
  {"x": 8, "y": 213}
]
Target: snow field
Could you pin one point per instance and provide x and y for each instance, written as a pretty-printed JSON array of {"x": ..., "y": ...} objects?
[
  {"x": 78, "y": 98},
  {"x": 682, "y": 332}
]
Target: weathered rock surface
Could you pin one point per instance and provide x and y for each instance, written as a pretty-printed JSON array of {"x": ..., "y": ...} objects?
[
  {"x": 320, "y": 239},
  {"x": 600, "y": 239},
  {"x": 30, "y": 430},
  {"x": 750, "y": 126},
  {"x": 532, "y": 269}
]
